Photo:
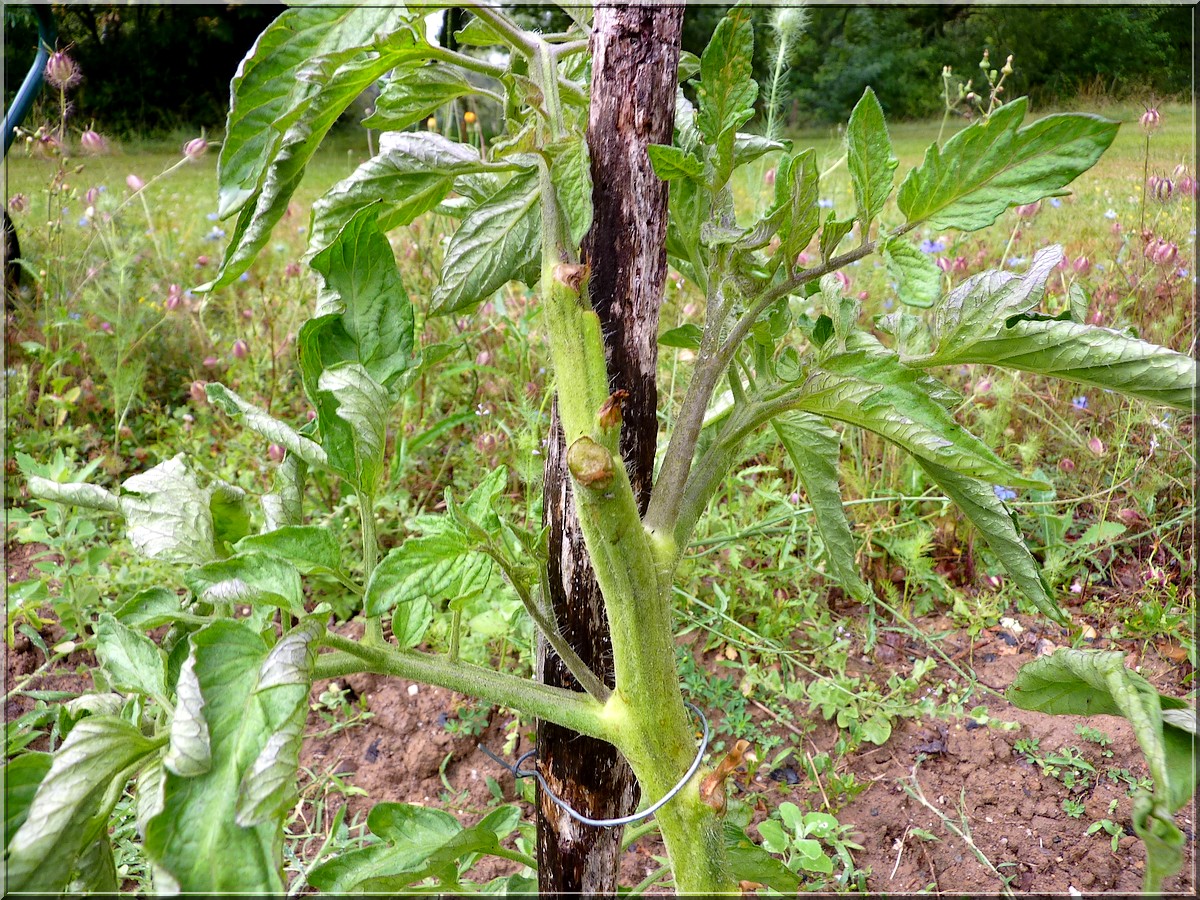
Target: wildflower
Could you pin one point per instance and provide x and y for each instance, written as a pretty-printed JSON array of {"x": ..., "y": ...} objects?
[
  {"x": 212, "y": 216},
  {"x": 1110, "y": 214},
  {"x": 1055, "y": 202},
  {"x": 1066, "y": 464},
  {"x": 825, "y": 204},
  {"x": 1082, "y": 265},
  {"x": 1162, "y": 189},
  {"x": 959, "y": 266},
  {"x": 887, "y": 304},
  {"x": 197, "y": 393},
  {"x": 245, "y": 276},
  {"x": 469, "y": 117},
  {"x": 215, "y": 234},
  {"x": 431, "y": 123},
  {"x": 106, "y": 327},
  {"x": 842, "y": 279},
  {"x": 1096, "y": 446},
  {"x": 1004, "y": 493},
  {"x": 863, "y": 296},
  {"x": 1080, "y": 403},
  {"x": 93, "y": 143},
  {"x": 174, "y": 298},
  {"x": 75, "y": 316},
  {"x": 1186, "y": 185},
  {"x": 18, "y": 203},
  {"x": 195, "y": 148},
  {"x": 291, "y": 270},
  {"x": 943, "y": 264},
  {"x": 928, "y": 246},
  {"x": 276, "y": 453},
  {"x": 62, "y": 72},
  {"x": 769, "y": 177},
  {"x": 202, "y": 260},
  {"x": 1151, "y": 119},
  {"x": 84, "y": 222},
  {"x": 1164, "y": 252},
  {"x": 211, "y": 362},
  {"x": 1026, "y": 210},
  {"x": 240, "y": 349},
  {"x": 92, "y": 196},
  {"x": 134, "y": 183}
]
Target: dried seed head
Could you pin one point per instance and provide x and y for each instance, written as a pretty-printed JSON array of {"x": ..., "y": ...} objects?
[{"x": 62, "y": 72}]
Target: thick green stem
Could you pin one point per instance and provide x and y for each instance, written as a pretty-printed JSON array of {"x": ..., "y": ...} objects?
[
  {"x": 572, "y": 710},
  {"x": 366, "y": 510}
]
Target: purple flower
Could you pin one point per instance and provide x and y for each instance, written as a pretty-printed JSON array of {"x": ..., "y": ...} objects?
[
  {"x": 1080, "y": 403},
  {"x": 1055, "y": 202},
  {"x": 1004, "y": 493},
  {"x": 61, "y": 71},
  {"x": 825, "y": 204},
  {"x": 928, "y": 246}
]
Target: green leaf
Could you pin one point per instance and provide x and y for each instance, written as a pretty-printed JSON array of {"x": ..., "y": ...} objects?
[
  {"x": 411, "y": 174},
  {"x": 727, "y": 89},
  {"x": 983, "y": 303},
  {"x": 371, "y": 316},
  {"x": 571, "y": 172},
  {"x": 167, "y": 514},
  {"x": 1088, "y": 355},
  {"x": 478, "y": 33},
  {"x": 131, "y": 660},
  {"x": 869, "y": 158},
  {"x": 149, "y": 609},
  {"x": 994, "y": 164},
  {"x": 268, "y": 88},
  {"x": 750, "y": 862},
  {"x": 189, "y": 750},
  {"x": 89, "y": 496},
  {"x": 795, "y": 215},
  {"x": 749, "y": 147},
  {"x": 262, "y": 423},
  {"x": 918, "y": 279},
  {"x": 329, "y": 84},
  {"x": 268, "y": 787},
  {"x": 869, "y": 387},
  {"x": 249, "y": 578},
  {"x": 671, "y": 163},
  {"x": 410, "y": 621},
  {"x": 833, "y": 232},
  {"x": 229, "y": 511},
  {"x": 282, "y": 506},
  {"x": 22, "y": 777},
  {"x": 999, "y": 528},
  {"x": 71, "y": 807},
  {"x": 95, "y": 869},
  {"x": 307, "y": 547},
  {"x": 687, "y": 337},
  {"x": 1094, "y": 682},
  {"x": 499, "y": 241},
  {"x": 415, "y": 91},
  {"x": 815, "y": 451},
  {"x": 363, "y": 404},
  {"x": 1100, "y": 533},
  {"x": 410, "y": 835},
  {"x": 420, "y": 567},
  {"x": 248, "y": 696}
]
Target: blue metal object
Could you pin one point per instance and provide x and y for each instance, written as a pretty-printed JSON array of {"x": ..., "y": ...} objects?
[{"x": 47, "y": 34}]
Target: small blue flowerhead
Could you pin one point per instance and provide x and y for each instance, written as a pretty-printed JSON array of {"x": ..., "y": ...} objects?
[
  {"x": 1055, "y": 202},
  {"x": 825, "y": 204},
  {"x": 1004, "y": 493},
  {"x": 928, "y": 246},
  {"x": 1080, "y": 403}
]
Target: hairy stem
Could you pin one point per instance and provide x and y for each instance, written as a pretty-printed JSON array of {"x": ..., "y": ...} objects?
[{"x": 572, "y": 710}]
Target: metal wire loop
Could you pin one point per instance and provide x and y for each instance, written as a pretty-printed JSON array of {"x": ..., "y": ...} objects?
[{"x": 518, "y": 772}]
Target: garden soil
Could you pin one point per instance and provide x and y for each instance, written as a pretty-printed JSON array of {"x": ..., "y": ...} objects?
[{"x": 1008, "y": 817}]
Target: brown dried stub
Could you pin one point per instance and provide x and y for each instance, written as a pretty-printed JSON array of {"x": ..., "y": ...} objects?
[
  {"x": 590, "y": 464},
  {"x": 573, "y": 275},
  {"x": 610, "y": 412},
  {"x": 712, "y": 788}
]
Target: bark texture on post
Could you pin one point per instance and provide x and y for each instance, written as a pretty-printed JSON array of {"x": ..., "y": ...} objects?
[{"x": 635, "y": 58}]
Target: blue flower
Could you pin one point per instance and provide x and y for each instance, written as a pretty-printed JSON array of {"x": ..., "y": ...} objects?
[
  {"x": 1110, "y": 214},
  {"x": 216, "y": 234},
  {"x": 84, "y": 222},
  {"x": 76, "y": 316},
  {"x": 1079, "y": 403},
  {"x": 245, "y": 276},
  {"x": 1014, "y": 261},
  {"x": 933, "y": 246},
  {"x": 1004, "y": 493},
  {"x": 212, "y": 217},
  {"x": 887, "y": 303},
  {"x": 825, "y": 204},
  {"x": 1055, "y": 202}
]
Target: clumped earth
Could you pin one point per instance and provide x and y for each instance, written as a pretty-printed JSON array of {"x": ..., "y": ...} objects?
[{"x": 970, "y": 774}]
